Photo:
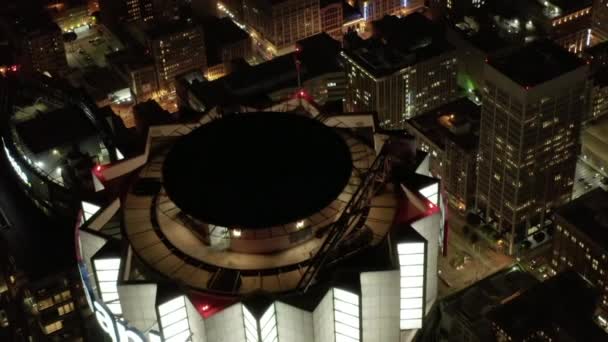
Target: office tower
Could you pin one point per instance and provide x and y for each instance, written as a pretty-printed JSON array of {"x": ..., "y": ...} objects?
[
  {"x": 533, "y": 104},
  {"x": 37, "y": 43},
  {"x": 282, "y": 22},
  {"x": 599, "y": 19},
  {"x": 176, "y": 48},
  {"x": 332, "y": 18},
  {"x": 405, "y": 69},
  {"x": 579, "y": 241},
  {"x": 114, "y": 12}
]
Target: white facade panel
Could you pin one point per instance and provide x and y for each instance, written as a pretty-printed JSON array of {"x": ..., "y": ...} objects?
[
  {"x": 380, "y": 306},
  {"x": 227, "y": 325},
  {"x": 294, "y": 324},
  {"x": 346, "y": 316},
  {"x": 106, "y": 271},
  {"x": 89, "y": 245},
  {"x": 138, "y": 305},
  {"x": 411, "y": 283},
  {"x": 173, "y": 317},
  {"x": 197, "y": 323},
  {"x": 428, "y": 227},
  {"x": 323, "y": 319}
]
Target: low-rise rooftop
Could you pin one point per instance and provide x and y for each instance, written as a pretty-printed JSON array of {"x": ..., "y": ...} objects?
[
  {"x": 457, "y": 121},
  {"x": 589, "y": 214},
  {"x": 563, "y": 306},
  {"x": 250, "y": 85}
]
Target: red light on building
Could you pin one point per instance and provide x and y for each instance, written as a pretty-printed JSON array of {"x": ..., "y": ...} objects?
[{"x": 205, "y": 307}]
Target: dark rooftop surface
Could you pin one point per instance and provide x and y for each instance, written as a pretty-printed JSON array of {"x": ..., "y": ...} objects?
[
  {"x": 257, "y": 170},
  {"x": 472, "y": 303},
  {"x": 250, "y": 85},
  {"x": 220, "y": 32},
  {"x": 589, "y": 213},
  {"x": 600, "y": 77},
  {"x": 398, "y": 43},
  {"x": 162, "y": 29},
  {"x": 536, "y": 63},
  {"x": 463, "y": 128},
  {"x": 562, "y": 305},
  {"x": 54, "y": 129}
]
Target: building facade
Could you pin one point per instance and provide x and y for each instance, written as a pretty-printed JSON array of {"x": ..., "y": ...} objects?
[
  {"x": 450, "y": 134},
  {"x": 533, "y": 104},
  {"x": 175, "y": 48},
  {"x": 377, "y": 9},
  {"x": 281, "y": 23},
  {"x": 579, "y": 242},
  {"x": 37, "y": 42},
  {"x": 401, "y": 76},
  {"x": 600, "y": 19},
  {"x": 332, "y": 18},
  {"x": 116, "y": 12}
]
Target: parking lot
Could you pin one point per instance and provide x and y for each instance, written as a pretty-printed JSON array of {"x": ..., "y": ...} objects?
[{"x": 91, "y": 47}]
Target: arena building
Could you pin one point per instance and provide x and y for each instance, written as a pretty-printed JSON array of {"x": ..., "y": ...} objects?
[{"x": 285, "y": 224}]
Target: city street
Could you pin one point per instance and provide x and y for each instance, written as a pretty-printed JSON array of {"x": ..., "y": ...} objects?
[
  {"x": 466, "y": 263},
  {"x": 91, "y": 47},
  {"x": 586, "y": 179}
]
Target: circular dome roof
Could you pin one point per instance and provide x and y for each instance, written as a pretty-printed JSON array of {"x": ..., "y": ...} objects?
[{"x": 257, "y": 170}]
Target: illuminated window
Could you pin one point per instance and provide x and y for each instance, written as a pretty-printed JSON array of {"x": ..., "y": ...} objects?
[
  {"x": 65, "y": 309},
  {"x": 45, "y": 303},
  {"x": 51, "y": 328}
]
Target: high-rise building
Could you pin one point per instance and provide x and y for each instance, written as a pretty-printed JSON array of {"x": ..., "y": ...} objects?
[
  {"x": 176, "y": 48},
  {"x": 405, "y": 69},
  {"x": 281, "y": 23},
  {"x": 332, "y": 18},
  {"x": 533, "y": 104},
  {"x": 37, "y": 42},
  {"x": 114, "y": 12},
  {"x": 600, "y": 19},
  {"x": 580, "y": 241}
]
